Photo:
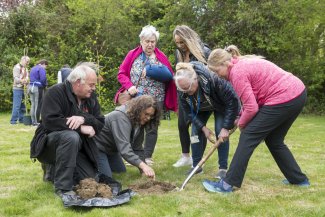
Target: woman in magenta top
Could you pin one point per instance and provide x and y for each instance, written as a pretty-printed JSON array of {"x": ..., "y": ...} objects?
[
  {"x": 132, "y": 77},
  {"x": 271, "y": 101}
]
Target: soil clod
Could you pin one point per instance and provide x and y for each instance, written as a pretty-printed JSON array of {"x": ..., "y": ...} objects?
[
  {"x": 152, "y": 187},
  {"x": 89, "y": 188}
]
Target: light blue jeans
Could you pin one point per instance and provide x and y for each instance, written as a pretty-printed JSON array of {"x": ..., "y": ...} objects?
[
  {"x": 199, "y": 147},
  {"x": 33, "y": 95},
  {"x": 18, "y": 107}
]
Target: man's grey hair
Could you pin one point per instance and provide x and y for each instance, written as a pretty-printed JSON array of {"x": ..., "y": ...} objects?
[
  {"x": 81, "y": 70},
  {"x": 24, "y": 58},
  {"x": 148, "y": 31}
]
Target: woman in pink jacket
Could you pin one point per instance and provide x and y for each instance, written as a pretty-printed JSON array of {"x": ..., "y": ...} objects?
[
  {"x": 147, "y": 71},
  {"x": 271, "y": 101}
]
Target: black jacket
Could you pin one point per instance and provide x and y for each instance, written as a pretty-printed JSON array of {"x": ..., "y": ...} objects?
[
  {"x": 222, "y": 95},
  {"x": 59, "y": 103}
]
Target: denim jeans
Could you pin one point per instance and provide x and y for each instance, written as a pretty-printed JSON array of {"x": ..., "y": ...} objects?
[
  {"x": 33, "y": 94},
  {"x": 18, "y": 107},
  {"x": 108, "y": 163},
  {"x": 199, "y": 147}
]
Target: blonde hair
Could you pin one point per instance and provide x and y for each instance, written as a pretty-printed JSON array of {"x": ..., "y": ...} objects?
[
  {"x": 220, "y": 56},
  {"x": 184, "y": 71},
  {"x": 192, "y": 41}
]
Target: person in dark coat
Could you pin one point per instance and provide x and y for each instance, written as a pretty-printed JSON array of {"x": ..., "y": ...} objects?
[
  {"x": 189, "y": 48},
  {"x": 63, "y": 73},
  {"x": 71, "y": 117},
  {"x": 201, "y": 94}
]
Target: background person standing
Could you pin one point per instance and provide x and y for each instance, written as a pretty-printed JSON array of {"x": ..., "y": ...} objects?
[
  {"x": 189, "y": 48},
  {"x": 20, "y": 75},
  {"x": 38, "y": 82}
]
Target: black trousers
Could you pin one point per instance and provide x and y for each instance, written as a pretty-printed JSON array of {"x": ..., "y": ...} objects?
[
  {"x": 270, "y": 124},
  {"x": 63, "y": 151},
  {"x": 40, "y": 102},
  {"x": 151, "y": 136}
]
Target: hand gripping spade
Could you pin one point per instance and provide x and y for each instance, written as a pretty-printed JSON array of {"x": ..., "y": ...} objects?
[{"x": 205, "y": 158}]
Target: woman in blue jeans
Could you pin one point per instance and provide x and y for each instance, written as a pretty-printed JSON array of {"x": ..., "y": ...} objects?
[
  {"x": 204, "y": 93},
  {"x": 123, "y": 135}
]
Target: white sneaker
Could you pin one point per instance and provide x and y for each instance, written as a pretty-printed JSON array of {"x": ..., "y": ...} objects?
[{"x": 183, "y": 161}]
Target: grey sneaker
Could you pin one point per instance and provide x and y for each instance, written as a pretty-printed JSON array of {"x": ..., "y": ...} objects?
[
  {"x": 221, "y": 174},
  {"x": 199, "y": 171}
]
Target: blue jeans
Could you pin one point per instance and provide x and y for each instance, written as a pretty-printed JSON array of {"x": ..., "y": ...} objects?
[
  {"x": 33, "y": 95},
  {"x": 199, "y": 147},
  {"x": 108, "y": 163},
  {"x": 18, "y": 107}
]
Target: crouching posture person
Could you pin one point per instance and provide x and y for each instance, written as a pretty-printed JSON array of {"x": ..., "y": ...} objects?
[
  {"x": 202, "y": 93},
  {"x": 123, "y": 135},
  {"x": 272, "y": 99},
  {"x": 70, "y": 119}
]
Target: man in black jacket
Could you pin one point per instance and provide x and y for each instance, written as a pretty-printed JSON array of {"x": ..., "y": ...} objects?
[{"x": 71, "y": 117}]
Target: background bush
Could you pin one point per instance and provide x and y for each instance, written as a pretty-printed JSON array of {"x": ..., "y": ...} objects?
[{"x": 289, "y": 33}]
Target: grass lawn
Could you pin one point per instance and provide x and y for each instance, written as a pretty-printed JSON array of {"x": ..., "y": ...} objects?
[{"x": 23, "y": 193}]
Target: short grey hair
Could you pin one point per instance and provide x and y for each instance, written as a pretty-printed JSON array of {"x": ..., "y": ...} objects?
[
  {"x": 81, "y": 71},
  {"x": 148, "y": 31},
  {"x": 184, "y": 71},
  {"x": 25, "y": 58}
]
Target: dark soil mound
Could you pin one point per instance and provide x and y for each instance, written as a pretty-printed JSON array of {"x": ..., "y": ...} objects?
[
  {"x": 89, "y": 188},
  {"x": 152, "y": 187}
]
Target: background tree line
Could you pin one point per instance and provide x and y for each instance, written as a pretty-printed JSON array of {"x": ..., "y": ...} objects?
[{"x": 290, "y": 33}]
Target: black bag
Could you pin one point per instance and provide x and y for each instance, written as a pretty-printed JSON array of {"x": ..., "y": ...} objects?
[{"x": 38, "y": 142}]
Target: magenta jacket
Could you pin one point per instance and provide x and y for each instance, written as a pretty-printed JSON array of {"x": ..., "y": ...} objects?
[
  {"x": 124, "y": 76},
  {"x": 259, "y": 82}
]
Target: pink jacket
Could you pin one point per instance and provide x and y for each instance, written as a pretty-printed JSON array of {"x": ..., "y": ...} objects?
[
  {"x": 124, "y": 76},
  {"x": 259, "y": 82}
]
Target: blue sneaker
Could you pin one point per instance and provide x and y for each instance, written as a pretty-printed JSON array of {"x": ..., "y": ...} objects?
[
  {"x": 304, "y": 183},
  {"x": 218, "y": 187}
]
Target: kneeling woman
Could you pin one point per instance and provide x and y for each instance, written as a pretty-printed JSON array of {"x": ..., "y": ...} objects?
[{"x": 123, "y": 135}]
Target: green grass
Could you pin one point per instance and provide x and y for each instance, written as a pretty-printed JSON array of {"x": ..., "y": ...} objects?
[{"x": 23, "y": 193}]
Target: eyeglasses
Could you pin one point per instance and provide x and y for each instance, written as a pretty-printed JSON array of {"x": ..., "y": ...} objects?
[{"x": 148, "y": 116}]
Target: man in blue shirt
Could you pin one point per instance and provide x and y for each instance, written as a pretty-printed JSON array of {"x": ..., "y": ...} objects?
[{"x": 37, "y": 85}]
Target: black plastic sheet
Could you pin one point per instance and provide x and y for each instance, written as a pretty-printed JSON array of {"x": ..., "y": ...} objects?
[
  {"x": 119, "y": 197},
  {"x": 122, "y": 198}
]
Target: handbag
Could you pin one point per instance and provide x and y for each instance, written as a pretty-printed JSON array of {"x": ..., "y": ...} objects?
[{"x": 125, "y": 96}]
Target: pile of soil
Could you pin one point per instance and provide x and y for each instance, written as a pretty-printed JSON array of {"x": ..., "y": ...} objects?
[
  {"x": 89, "y": 188},
  {"x": 152, "y": 187}
]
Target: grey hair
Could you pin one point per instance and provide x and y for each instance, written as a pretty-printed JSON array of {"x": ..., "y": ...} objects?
[
  {"x": 25, "y": 58},
  {"x": 81, "y": 71},
  {"x": 148, "y": 31},
  {"x": 184, "y": 71}
]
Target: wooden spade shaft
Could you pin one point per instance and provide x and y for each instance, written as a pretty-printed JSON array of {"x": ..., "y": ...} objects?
[{"x": 204, "y": 159}]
